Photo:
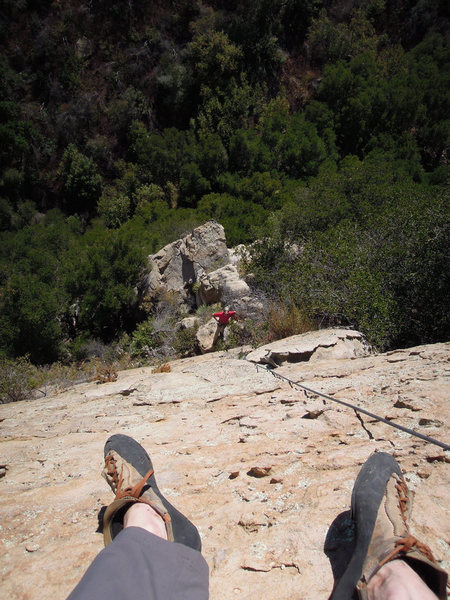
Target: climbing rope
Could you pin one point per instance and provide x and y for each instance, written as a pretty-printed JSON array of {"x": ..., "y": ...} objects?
[{"x": 307, "y": 390}]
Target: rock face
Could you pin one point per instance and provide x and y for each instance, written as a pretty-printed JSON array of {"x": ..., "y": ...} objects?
[
  {"x": 222, "y": 284},
  {"x": 178, "y": 265},
  {"x": 200, "y": 269},
  {"x": 264, "y": 471},
  {"x": 312, "y": 346}
]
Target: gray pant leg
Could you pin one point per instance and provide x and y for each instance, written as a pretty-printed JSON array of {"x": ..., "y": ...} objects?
[{"x": 139, "y": 565}]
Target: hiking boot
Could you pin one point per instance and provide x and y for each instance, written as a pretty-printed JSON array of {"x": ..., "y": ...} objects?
[
  {"x": 380, "y": 511},
  {"x": 129, "y": 472}
]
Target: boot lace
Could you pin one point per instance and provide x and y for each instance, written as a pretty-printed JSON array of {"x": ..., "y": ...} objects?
[
  {"x": 117, "y": 478},
  {"x": 405, "y": 545}
]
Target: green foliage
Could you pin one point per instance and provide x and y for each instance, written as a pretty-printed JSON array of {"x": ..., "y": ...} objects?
[
  {"x": 115, "y": 209},
  {"x": 144, "y": 338},
  {"x": 100, "y": 275},
  {"x": 185, "y": 342},
  {"x": 385, "y": 273},
  {"x": 18, "y": 378},
  {"x": 324, "y": 134},
  {"x": 81, "y": 183},
  {"x": 225, "y": 111},
  {"x": 163, "y": 154},
  {"x": 256, "y": 26},
  {"x": 128, "y": 107},
  {"x": 31, "y": 299},
  {"x": 237, "y": 216},
  {"x": 331, "y": 42},
  {"x": 192, "y": 184}
]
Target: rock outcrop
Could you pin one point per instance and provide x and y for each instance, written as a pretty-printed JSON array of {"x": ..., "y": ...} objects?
[
  {"x": 263, "y": 470},
  {"x": 177, "y": 266},
  {"x": 312, "y": 346},
  {"x": 200, "y": 269}
]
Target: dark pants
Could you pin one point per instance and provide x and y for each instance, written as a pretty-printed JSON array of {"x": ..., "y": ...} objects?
[
  {"x": 220, "y": 333},
  {"x": 139, "y": 565}
]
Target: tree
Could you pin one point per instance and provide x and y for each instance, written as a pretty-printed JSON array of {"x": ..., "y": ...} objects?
[
  {"x": 100, "y": 275},
  {"x": 82, "y": 184}
]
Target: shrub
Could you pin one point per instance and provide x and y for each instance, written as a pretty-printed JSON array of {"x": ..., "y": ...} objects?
[
  {"x": 106, "y": 374},
  {"x": 114, "y": 208},
  {"x": 144, "y": 338},
  {"x": 18, "y": 378},
  {"x": 163, "y": 368},
  {"x": 284, "y": 318},
  {"x": 185, "y": 342},
  {"x": 82, "y": 184}
]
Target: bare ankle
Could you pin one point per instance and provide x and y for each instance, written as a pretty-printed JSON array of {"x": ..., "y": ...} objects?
[
  {"x": 397, "y": 581},
  {"x": 144, "y": 516}
]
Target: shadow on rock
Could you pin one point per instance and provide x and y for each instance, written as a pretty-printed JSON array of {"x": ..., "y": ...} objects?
[
  {"x": 339, "y": 544},
  {"x": 100, "y": 515}
]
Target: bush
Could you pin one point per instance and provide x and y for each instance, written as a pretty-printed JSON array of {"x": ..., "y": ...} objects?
[
  {"x": 284, "y": 318},
  {"x": 114, "y": 208},
  {"x": 18, "y": 378},
  {"x": 144, "y": 338},
  {"x": 185, "y": 342},
  {"x": 81, "y": 182}
]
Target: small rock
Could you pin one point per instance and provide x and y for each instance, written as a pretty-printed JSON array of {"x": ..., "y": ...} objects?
[
  {"x": 233, "y": 475},
  {"x": 259, "y": 471},
  {"x": 434, "y": 455},
  {"x": 127, "y": 392},
  {"x": 276, "y": 480},
  {"x": 429, "y": 422},
  {"x": 313, "y": 414},
  {"x": 32, "y": 547}
]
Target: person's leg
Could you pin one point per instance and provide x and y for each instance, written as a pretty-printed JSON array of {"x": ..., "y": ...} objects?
[
  {"x": 218, "y": 334},
  {"x": 139, "y": 561},
  {"x": 380, "y": 511},
  {"x": 397, "y": 581},
  {"x": 141, "y": 565},
  {"x": 143, "y": 515}
]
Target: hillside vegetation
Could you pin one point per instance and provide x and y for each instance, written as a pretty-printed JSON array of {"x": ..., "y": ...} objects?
[{"x": 320, "y": 129}]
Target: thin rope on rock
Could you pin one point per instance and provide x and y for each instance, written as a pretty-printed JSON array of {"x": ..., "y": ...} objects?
[{"x": 306, "y": 389}]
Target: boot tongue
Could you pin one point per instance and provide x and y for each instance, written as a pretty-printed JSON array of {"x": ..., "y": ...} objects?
[{"x": 134, "y": 491}]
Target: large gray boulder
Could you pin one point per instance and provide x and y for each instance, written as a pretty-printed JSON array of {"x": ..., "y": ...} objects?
[
  {"x": 177, "y": 266},
  {"x": 325, "y": 344},
  {"x": 222, "y": 285},
  {"x": 199, "y": 269}
]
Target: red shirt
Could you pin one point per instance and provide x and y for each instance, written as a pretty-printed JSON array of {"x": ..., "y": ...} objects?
[{"x": 224, "y": 318}]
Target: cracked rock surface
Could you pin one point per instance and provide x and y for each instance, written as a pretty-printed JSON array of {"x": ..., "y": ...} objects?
[
  {"x": 268, "y": 488},
  {"x": 312, "y": 346}
]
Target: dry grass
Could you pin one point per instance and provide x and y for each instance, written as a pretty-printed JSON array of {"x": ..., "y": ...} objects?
[
  {"x": 164, "y": 368},
  {"x": 106, "y": 374},
  {"x": 285, "y": 319}
]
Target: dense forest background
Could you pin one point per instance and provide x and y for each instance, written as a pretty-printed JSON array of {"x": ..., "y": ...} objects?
[{"x": 317, "y": 129}]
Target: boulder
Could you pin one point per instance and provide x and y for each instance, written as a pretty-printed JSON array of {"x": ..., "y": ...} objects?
[
  {"x": 188, "y": 323},
  {"x": 312, "y": 346},
  {"x": 205, "y": 336},
  {"x": 225, "y": 286},
  {"x": 237, "y": 253},
  {"x": 177, "y": 266},
  {"x": 199, "y": 269},
  {"x": 222, "y": 285}
]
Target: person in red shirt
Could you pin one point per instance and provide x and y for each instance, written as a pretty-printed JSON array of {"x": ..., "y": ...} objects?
[{"x": 222, "y": 319}]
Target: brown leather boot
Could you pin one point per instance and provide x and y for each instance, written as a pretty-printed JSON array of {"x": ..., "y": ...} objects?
[
  {"x": 380, "y": 510},
  {"x": 129, "y": 472}
]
